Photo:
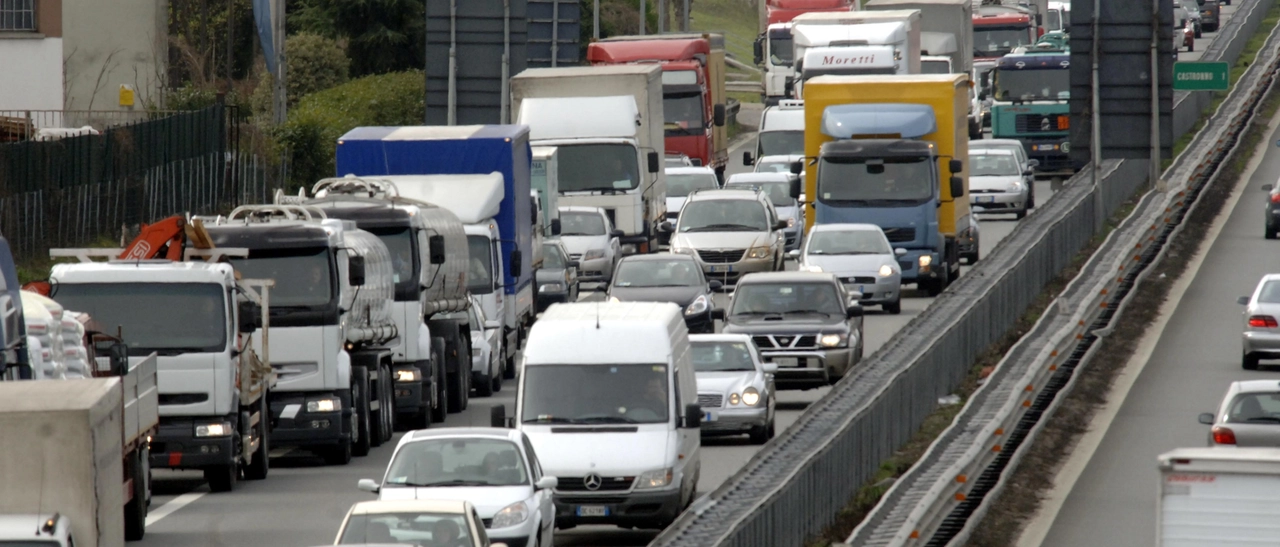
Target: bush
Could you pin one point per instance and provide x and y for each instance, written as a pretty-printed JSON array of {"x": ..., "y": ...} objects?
[
  {"x": 309, "y": 137},
  {"x": 314, "y": 63}
]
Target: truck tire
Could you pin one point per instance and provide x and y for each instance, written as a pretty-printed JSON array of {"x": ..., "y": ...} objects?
[
  {"x": 260, "y": 464},
  {"x": 337, "y": 455},
  {"x": 360, "y": 408},
  {"x": 135, "y": 512},
  {"x": 441, "y": 410},
  {"x": 222, "y": 478},
  {"x": 508, "y": 364},
  {"x": 380, "y": 419}
]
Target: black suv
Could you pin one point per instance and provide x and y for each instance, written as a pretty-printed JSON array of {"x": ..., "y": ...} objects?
[{"x": 1210, "y": 13}]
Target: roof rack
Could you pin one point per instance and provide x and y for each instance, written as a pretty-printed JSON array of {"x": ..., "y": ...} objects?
[{"x": 267, "y": 213}]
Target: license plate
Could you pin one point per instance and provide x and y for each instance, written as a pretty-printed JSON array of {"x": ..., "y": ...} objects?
[
  {"x": 593, "y": 511},
  {"x": 708, "y": 417},
  {"x": 986, "y": 199},
  {"x": 719, "y": 269},
  {"x": 788, "y": 361},
  {"x": 862, "y": 290}
]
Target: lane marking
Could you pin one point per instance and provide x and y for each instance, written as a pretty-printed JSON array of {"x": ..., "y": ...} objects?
[
  {"x": 174, "y": 505},
  {"x": 1037, "y": 529}
]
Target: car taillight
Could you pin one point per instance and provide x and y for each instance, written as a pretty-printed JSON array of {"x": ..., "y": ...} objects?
[
  {"x": 1222, "y": 435},
  {"x": 1275, "y": 198},
  {"x": 1263, "y": 321}
]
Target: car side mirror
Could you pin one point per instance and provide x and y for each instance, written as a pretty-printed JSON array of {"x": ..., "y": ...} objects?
[
  {"x": 1033, "y": 163},
  {"x": 1267, "y": 187},
  {"x": 899, "y": 252},
  {"x": 795, "y": 253},
  {"x": 1243, "y": 301},
  {"x": 575, "y": 264},
  {"x": 547, "y": 483},
  {"x": 516, "y": 263},
  {"x": 555, "y": 226},
  {"x": 250, "y": 317},
  {"x": 436, "y": 245},
  {"x": 957, "y": 187},
  {"x": 665, "y": 226},
  {"x": 1029, "y": 172},
  {"x": 718, "y": 115},
  {"x": 757, "y": 50},
  {"x": 368, "y": 485},
  {"x": 747, "y": 160},
  {"x": 692, "y": 416},
  {"x": 355, "y": 271},
  {"x": 1206, "y": 418},
  {"x": 780, "y": 225},
  {"x": 770, "y": 368},
  {"x": 854, "y": 311},
  {"x": 715, "y": 285},
  {"x": 616, "y": 233},
  {"x": 717, "y": 314},
  {"x": 655, "y": 163}
]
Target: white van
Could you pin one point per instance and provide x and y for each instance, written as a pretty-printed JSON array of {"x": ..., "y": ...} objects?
[{"x": 608, "y": 398}]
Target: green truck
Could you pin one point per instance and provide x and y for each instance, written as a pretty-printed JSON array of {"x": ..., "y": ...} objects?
[{"x": 1029, "y": 91}]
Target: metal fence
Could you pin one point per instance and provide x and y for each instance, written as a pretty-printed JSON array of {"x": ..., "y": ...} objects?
[{"x": 76, "y": 190}]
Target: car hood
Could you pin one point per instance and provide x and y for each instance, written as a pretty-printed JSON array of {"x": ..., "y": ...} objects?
[
  {"x": 682, "y": 296},
  {"x": 725, "y": 382},
  {"x": 800, "y": 324},
  {"x": 582, "y": 244},
  {"x": 785, "y": 213},
  {"x": 487, "y": 499},
  {"x": 993, "y": 182},
  {"x": 675, "y": 204},
  {"x": 549, "y": 275},
  {"x": 720, "y": 240},
  {"x": 571, "y": 452},
  {"x": 847, "y": 265}
]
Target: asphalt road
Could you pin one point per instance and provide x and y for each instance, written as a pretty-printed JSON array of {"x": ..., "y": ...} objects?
[{"x": 302, "y": 502}]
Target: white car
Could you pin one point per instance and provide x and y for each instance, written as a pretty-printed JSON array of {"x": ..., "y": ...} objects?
[
  {"x": 777, "y": 164},
  {"x": 413, "y": 522},
  {"x": 52, "y": 530},
  {"x": 997, "y": 184},
  {"x": 486, "y": 352},
  {"x": 592, "y": 242},
  {"x": 735, "y": 386},
  {"x": 861, "y": 256},
  {"x": 494, "y": 469},
  {"x": 1019, "y": 154},
  {"x": 682, "y": 181}
]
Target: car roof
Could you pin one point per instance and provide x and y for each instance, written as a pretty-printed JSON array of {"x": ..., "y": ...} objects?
[
  {"x": 724, "y": 193},
  {"x": 780, "y": 158},
  {"x": 740, "y": 178},
  {"x": 993, "y": 143},
  {"x": 1258, "y": 386},
  {"x": 690, "y": 171},
  {"x": 1269, "y": 277},
  {"x": 720, "y": 337},
  {"x": 656, "y": 256},
  {"x": 990, "y": 152},
  {"x": 787, "y": 277},
  {"x": 580, "y": 209},
  {"x": 437, "y": 433},
  {"x": 845, "y": 228},
  {"x": 374, "y": 507}
]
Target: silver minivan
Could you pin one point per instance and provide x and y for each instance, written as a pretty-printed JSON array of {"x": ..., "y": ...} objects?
[{"x": 731, "y": 232}]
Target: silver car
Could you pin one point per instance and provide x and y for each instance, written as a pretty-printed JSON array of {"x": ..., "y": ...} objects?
[
  {"x": 592, "y": 242},
  {"x": 1261, "y": 335},
  {"x": 778, "y": 186},
  {"x": 861, "y": 256},
  {"x": 730, "y": 233},
  {"x": 777, "y": 164},
  {"x": 735, "y": 386},
  {"x": 681, "y": 181},
  {"x": 997, "y": 184},
  {"x": 1249, "y": 416},
  {"x": 1020, "y": 155},
  {"x": 486, "y": 352}
]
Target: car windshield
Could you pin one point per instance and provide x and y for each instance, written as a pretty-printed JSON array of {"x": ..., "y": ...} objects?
[
  {"x": 406, "y": 528},
  {"x": 683, "y": 114},
  {"x": 998, "y": 42},
  {"x": 168, "y": 318},
  {"x": 779, "y": 192},
  {"x": 552, "y": 259},
  {"x": 1270, "y": 293},
  {"x": 304, "y": 277},
  {"x": 596, "y": 394},
  {"x": 681, "y": 185},
  {"x": 1255, "y": 408},
  {"x": 781, "y": 48},
  {"x": 457, "y": 462},
  {"x": 480, "y": 266},
  {"x": 850, "y": 242},
  {"x": 787, "y": 298},
  {"x": 897, "y": 179},
  {"x": 781, "y": 143},
  {"x": 657, "y": 273},
  {"x": 723, "y": 215},
  {"x": 773, "y": 167},
  {"x": 980, "y": 148},
  {"x": 992, "y": 165},
  {"x": 400, "y": 242},
  {"x": 598, "y": 167},
  {"x": 1030, "y": 85},
  {"x": 581, "y": 224},
  {"x": 721, "y": 357}
]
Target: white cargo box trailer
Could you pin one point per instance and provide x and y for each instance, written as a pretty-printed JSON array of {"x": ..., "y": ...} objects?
[{"x": 1219, "y": 497}]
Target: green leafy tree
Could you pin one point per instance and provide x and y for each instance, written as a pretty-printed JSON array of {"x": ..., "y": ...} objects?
[{"x": 382, "y": 35}]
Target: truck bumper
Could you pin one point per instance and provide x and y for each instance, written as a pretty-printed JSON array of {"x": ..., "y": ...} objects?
[
  {"x": 809, "y": 369},
  {"x": 734, "y": 421},
  {"x": 639, "y": 509},
  {"x": 912, "y": 272},
  {"x": 175, "y": 445},
  {"x": 294, "y": 426},
  {"x": 1053, "y": 153},
  {"x": 409, "y": 395}
]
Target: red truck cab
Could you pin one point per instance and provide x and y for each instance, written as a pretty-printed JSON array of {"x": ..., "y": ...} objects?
[
  {"x": 997, "y": 34},
  {"x": 783, "y": 11},
  {"x": 689, "y": 110}
]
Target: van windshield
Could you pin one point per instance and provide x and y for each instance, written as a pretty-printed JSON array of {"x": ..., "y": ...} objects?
[{"x": 596, "y": 394}]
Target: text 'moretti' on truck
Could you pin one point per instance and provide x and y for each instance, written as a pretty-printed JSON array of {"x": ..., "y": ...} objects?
[
  {"x": 1030, "y": 90},
  {"x": 330, "y": 324},
  {"x": 880, "y": 42},
  {"x": 481, "y": 173},
  {"x": 692, "y": 89},
  {"x": 76, "y": 455},
  {"x": 429, "y": 253},
  {"x": 997, "y": 30},
  {"x": 890, "y": 151},
  {"x": 607, "y": 122},
  {"x": 1218, "y": 496},
  {"x": 208, "y": 325}
]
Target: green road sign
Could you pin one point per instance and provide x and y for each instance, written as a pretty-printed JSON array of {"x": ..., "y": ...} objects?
[{"x": 1199, "y": 76}]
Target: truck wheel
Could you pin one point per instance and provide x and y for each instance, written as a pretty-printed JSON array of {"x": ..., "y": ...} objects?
[
  {"x": 441, "y": 410},
  {"x": 464, "y": 374},
  {"x": 222, "y": 478},
  {"x": 380, "y": 430},
  {"x": 135, "y": 512},
  {"x": 484, "y": 387},
  {"x": 388, "y": 404},
  {"x": 457, "y": 390},
  {"x": 509, "y": 364},
  {"x": 360, "y": 408},
  {"x": 337, "y": 455},
  {"x": 261, "y": 462}
]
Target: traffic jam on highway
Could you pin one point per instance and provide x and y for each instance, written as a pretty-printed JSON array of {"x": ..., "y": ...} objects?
[{"x": 640, "y": 288}]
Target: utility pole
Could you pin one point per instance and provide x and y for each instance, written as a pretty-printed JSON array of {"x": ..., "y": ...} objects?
[
  {"x": 595, "y": 21},
  {"x": 1095, "y": 126},
  {"x": 644, "y": 10},
  {"x": 1154, "y": 169},
  {"x": 684, "y": 17},
  {"x": 279, "y": 97}
]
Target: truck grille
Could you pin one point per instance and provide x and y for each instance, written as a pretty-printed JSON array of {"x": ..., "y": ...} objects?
[
  {"x": 771, "y": 341},
  {"x": 905, "y": 265},
  {"x": 722, "y": 257},
  {"x": 607, "y": 484},
  {"x": 1037, "y": 123},
  {"x": 710, "y": 400},
  {"x": 899, "y": 235}
]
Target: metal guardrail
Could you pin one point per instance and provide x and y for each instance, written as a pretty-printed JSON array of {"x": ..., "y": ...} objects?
[
  {"x": 744, "y": 87},
  {"x": 940, "y": 501}
]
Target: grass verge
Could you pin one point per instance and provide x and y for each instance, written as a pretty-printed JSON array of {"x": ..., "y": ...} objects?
[
  {"x": 941, "y": 418},
  {"x": 738, "y": 19},
  {"x": 1021, "y": 498}
]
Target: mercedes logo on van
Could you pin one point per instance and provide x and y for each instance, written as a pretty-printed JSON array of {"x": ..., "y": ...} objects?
[{"x": 592, "y": 481}]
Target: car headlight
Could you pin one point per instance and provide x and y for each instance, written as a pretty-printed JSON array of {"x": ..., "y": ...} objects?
[
  {"x": 791, "y": 222},
  {"x": 657, "y": 478},
  {"x": 750, "y": 396},
  {"x": 926, "y": 260},
  {"x": 327, "y": 404},
  {"x": 550, "y": 287},
  {"x": 683, "y": 250},
  {"x": 510, "y": 515},
  {"x": 614, "y": 299},
  {"x": 698, "y": 306},
  {"x": 1015, "y": 186},
  {"x": 593, "y": 254},
  {"x": 759, "y": 252},
  {"x": 833, "y": 340},
  {"x": 734, "y": 398},
  {"x": 405, "y": 375},
  {"x": 886, "y": 270},
  {"x": 808, "y": 268},
  {"x": 213, "y": 430}
]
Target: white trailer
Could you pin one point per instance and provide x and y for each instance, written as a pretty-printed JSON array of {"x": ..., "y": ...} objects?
[
  {"x": 938, "y": 20},
  {"x": 1218, "y": 497}
]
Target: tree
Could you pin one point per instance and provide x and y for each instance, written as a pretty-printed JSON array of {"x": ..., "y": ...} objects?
[{"x": 382, "y": 35}]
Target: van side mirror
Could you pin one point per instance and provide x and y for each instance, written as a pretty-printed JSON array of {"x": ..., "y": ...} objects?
[
  {"x": 757, "y": 49},
  {"x": 748, "y": 160},
  {"x": 574, "y": 264},
  {"x": 957, "y": 187},
  {"x": 547, "y": 483},
  {"x": 654, "y": 162},
  {"x": 665, "y": 226},
  {"x": 533, "y": 208},
  {"x": 516, "y": 263},
  {"x": 355, "y": 271},
  {"x": 854, "y": 311},
  {"x": 717, "y": 314},
  {"x": 435, "y": 246},
  {"x": 617, "y": 233},
  {"x": 250, "y": 318},
  {"x": 368, "y": 485},
  {"x": 555, "y": 226},
  {"x": 770, "y": 368},
  {"x": 956, "y": 166},
  {"x": 718, "y": 115},
  {"x": 1033, "y": 163},
  {"x": 795, "y": 186},
  {"x": 692, "y": 416}
]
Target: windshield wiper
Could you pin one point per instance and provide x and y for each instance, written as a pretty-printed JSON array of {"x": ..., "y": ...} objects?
[
  {"x": 790, "y": 312},
  {"x": 454, "y": 482},
  {"x": 851, "y": 253},
  {"x": 606, "y": 420},
  {"x": 725, "y": 227},
  {"x": 177, "y": 351},
  {"x": 578, "y": 234},
  {"x": 605, "y": 189},
  {"x": 548, "y": 420}
]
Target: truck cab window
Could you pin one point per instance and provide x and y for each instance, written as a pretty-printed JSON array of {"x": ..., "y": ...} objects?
[
  {"x": 683, "y": 113},
  {"x": 781, "y": 47},
  {"x": 598, "y": 167},
  {"x": 851, "y": 180},
  {"x": 480, "y": 265}
]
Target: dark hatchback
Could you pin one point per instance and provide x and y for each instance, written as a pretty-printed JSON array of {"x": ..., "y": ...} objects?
[{"x": 667, "y": 277}]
